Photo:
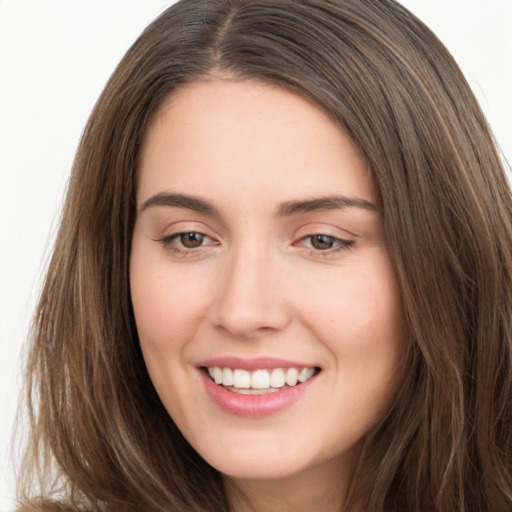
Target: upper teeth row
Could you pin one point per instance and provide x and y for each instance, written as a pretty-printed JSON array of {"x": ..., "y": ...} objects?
[{"x": 259, "y": 379}]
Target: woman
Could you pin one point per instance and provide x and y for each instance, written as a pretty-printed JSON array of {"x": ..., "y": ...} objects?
[{"x": 283, "y": 277}]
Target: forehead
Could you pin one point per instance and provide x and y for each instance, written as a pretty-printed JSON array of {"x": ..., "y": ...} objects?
[{"x": 246, "y": 139}]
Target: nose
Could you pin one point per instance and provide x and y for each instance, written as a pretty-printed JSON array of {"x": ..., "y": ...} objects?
[{"x": 252, "y": 297}]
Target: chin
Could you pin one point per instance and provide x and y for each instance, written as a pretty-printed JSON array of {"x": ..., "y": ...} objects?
[{"x": 269, "y": 469}]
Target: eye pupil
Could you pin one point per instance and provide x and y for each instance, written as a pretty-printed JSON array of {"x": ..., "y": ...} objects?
[
  {"x": 191, "y": 240},
  {"x": 322, "y": 241}
]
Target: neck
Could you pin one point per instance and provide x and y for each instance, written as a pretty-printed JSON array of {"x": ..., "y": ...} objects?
[{"x": 309, "y": 491}]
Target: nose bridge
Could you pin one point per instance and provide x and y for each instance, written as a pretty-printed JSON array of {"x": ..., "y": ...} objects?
[{"x": 250, "y": 300}]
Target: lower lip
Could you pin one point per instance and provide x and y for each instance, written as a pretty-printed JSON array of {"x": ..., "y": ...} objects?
[{"x": 254, "y": 406}]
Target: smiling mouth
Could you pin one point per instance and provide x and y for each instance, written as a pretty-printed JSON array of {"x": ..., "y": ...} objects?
[{"x": 259, "y": 382}]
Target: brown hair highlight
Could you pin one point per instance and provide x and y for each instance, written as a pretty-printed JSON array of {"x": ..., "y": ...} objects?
[{"x": 446, "y": 445}]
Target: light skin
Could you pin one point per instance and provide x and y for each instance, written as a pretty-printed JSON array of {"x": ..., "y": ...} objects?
[{"x": 288, "y": 261}]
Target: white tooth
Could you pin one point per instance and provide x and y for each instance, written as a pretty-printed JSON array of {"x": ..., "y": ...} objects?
[
  {"x": 211, "y": 372},
  {"x": 227, "y": 377},
  {"x": 241, "y": 379},
  {"x": 260, "y": 379},
  {"x": 291, "y": 376},
  {"x": 277, "y": 378},
  {"x": 254, "y": 391},
  {"x": 243, "y": 391},
  {"x": 305, "y": 374},
  {"x": 217, "y": 375}
]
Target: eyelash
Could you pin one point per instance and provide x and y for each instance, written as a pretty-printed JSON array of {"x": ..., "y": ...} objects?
[
  {"x": 340, "y": 244},
  {"x": 169, "y": 243}
]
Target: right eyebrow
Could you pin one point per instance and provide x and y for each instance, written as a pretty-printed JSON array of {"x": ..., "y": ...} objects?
[
  {"x": 179, "y": 201},
  {"x": 325, "y": 203}
]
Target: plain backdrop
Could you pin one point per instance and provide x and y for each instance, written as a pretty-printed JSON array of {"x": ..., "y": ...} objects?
[{"x": 55, "y": 57}]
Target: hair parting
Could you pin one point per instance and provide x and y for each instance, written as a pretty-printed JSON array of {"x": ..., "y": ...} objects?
[{"x": 101, "y": 440}]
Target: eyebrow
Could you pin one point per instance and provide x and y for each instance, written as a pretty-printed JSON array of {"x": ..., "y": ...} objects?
[
  {"x": 180, "y": 201},
  {"x": 285, "y": 209},
  {"x": 325, "y": 203}
]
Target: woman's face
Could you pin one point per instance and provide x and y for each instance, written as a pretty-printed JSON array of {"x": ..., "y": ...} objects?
[{"x": 258, "y": 257}]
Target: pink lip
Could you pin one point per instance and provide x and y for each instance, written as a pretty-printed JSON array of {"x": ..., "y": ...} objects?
[
  {"x": 254, "y": 406},
  {"x": 258, "y": 363}
]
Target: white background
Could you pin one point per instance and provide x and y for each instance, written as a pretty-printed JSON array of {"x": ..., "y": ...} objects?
[{"x": 55, "y": 57}]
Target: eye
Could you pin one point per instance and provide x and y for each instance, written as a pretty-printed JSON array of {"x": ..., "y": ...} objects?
[
  {"x": 322, "y": 243},
  {"x": 186, "y": 242},
  {"x": 191, "y": 240}
]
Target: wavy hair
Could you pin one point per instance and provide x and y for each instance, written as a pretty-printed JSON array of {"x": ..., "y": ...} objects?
[{"x": 100, "y": 438}]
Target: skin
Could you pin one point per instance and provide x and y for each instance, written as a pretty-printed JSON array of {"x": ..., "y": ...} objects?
[{"x": 258, "y": 285}]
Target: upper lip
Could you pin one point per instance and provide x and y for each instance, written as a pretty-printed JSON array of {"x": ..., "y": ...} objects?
[{"x": 257, "y": 363}]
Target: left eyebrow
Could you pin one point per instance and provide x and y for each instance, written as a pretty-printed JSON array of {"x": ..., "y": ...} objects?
[
  {"x": 180, "y": 201},
  {"x": 324, "y": 203}
]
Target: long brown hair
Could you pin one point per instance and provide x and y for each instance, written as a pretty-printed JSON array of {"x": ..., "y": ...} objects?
[{"x": 101, "y": 440}]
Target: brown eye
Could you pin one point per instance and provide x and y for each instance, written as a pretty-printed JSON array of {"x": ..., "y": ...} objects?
[
  {"x": 191, "y": 240},
  {"x": 322, "y": 242}
]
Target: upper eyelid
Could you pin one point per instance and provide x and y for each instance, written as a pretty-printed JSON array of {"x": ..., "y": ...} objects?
[
  {"x": 334, "y": 237},
  {"x": 175, "y": 229},
  {"x": 325, "y": 229},
  {"x": 180, "y": 227},
  {"x": 297, "y": 239},
  {"x": 344, "y": 241},
  {"x": 179, "y": 233}
]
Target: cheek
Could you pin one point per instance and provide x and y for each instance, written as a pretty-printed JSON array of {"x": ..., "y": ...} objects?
[
  {"x": 167, "y": 304},
  {"x": 167, "y": 308},
  {"x": 355, "y": 307},
  {"x": 360, "y": 320},
  {"x": 156, "y": 310}
]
